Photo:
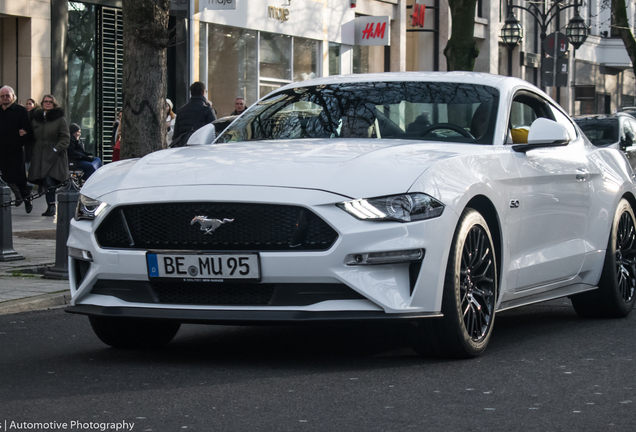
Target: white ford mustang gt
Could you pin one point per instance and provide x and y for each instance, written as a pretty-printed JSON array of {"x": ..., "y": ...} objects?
[{"x": 439, "y": 198}]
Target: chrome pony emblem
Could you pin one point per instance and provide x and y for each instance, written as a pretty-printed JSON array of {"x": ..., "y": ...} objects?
[{"x": 209, "y": 225}]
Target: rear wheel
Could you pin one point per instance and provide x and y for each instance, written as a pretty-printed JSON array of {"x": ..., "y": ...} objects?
[
  {"x": 614, "y": 297},
  {"x": 470, "y": 292},
  {"x": 134, "y": 333}
]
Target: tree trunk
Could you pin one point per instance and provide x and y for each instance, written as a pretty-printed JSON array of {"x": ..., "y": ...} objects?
[
  {"x": 144, "y": 77},
  {"x": 619, "y": 11},
  {"x": 461, "y": 49}
]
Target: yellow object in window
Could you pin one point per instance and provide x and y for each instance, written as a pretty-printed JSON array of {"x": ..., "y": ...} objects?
[{"x": 519, "y": 135}]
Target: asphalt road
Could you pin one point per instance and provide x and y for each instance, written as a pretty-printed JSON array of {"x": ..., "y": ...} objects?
[{"x": 545, "y": 370}]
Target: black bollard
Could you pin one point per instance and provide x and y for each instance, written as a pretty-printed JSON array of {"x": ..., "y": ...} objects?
[
  {"x": 7, "y": 253},
  {"x": 66, "y": 203}
]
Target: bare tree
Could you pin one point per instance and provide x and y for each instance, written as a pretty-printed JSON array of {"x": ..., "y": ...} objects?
[
  {"x": 621, "y": 22},
  {"x": 461, "y": 49},
  {"x": 146, "y": 40}
]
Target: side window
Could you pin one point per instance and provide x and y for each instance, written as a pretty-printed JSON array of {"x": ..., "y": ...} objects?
[
  {"x": 525, "y": 109},
  {"x": 521, "y": 115},
  {"x": 630, "y": 126}
]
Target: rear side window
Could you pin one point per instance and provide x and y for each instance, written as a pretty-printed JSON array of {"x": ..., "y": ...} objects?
[{"x": 600, "y": 131}]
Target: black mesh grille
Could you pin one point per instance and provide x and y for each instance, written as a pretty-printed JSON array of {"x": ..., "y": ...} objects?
[
  {"x": 222, "y": 295},
  {"x": 255, "y": 227}
]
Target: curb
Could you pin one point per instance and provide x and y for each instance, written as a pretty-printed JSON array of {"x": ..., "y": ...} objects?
[{"x": 41, "y": 302}]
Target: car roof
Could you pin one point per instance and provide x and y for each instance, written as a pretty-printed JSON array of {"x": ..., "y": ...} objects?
[{"x": 481, "y": 78}]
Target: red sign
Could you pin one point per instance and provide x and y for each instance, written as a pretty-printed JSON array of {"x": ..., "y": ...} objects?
[
  {"x": 372, "y": 30},
  {"x": 369, "y": 33},
  {"x": 418, "y": 15}
]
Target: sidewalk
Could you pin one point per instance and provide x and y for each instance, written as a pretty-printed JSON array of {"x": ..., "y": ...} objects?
[{"x": 22, "y": 287}]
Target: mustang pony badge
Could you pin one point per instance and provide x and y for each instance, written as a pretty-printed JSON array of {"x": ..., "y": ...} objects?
[{"x": 209, "y": 225}]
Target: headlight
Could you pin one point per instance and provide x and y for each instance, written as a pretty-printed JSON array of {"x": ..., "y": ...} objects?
[
  {"x": 88, "y": 208},
  {"x": 400, "y": 208}
]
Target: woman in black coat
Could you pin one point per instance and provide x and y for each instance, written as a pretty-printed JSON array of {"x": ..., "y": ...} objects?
[{"x": 49, "y": 165}]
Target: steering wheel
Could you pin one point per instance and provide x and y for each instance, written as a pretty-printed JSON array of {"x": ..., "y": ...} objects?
[{"x": 463, "y": 132}]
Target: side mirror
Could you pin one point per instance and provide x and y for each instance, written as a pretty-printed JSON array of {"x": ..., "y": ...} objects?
[
  {"x": 627, "y": 140},
  {"x": 544, "y": 133},
  {"x": 203, "y": 135}
]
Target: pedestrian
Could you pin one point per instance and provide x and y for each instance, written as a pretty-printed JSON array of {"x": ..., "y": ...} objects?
[
  {"x": 30, "y": 105},
  {"x": 239, "y": 106},
  {"x": 117, "y": 147},
  {"x": 49, "y": 166},
  {"x": 113, "y": 138},
  {"x": 196, "y": 113},
  {"x": 77, "y": 153},
  {"x": 171, "y": 118},
  {"x": 15, "y": 130}
]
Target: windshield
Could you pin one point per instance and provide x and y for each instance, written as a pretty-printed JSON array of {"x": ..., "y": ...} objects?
[
  {"x": 378, "y": 110},
  {"x": 600, "y": 131}
]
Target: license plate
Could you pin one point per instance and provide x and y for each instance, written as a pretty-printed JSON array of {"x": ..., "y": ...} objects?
[{"x": 204, "y": 267}]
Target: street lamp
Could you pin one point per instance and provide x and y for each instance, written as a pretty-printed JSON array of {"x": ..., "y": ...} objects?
[
  {"x": 511, "y": 34},
  {"x": 576, "y": 29}
]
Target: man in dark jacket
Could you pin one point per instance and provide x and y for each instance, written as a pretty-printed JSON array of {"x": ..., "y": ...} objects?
[
  {"x": 15, "y": 128},
  {"x": 239, "y": 106},
  {"x": 193, "y": 115}
]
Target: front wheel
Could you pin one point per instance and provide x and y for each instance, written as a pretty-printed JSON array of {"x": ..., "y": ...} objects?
[
  {"x": 614, "y": 297},
  {"x": 134, "y": 333},
  {"x": 470, "y": 292}
]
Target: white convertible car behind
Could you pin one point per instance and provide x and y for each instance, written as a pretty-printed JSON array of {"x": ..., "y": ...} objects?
[{"x": 438, "y": 198}]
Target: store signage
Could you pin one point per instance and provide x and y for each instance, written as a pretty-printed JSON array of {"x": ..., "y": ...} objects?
[
  {"x": 278, "y": 13},
  {"x": 176, "y": 5},
  {"x": 217, "y": 4},
  {"x": 372, "y": 30},
  {"x": 419, "y": 11}
]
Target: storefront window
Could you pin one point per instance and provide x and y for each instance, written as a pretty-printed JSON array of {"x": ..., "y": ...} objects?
[
  {"x": 368, "y": 59},
  {"x": 305, "y": 58},
  {"x": 81, "y": 71},
  {"x": 232, "y": 68},
  {"x": 334, "y": 59},
  {"x": 252, "y": 64},
  {"x": 275, "y": 56}
]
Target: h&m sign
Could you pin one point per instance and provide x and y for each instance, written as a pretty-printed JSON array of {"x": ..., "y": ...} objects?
[
  {"x": 372, "y": 30},
  {"x": 419, "y": 12}
]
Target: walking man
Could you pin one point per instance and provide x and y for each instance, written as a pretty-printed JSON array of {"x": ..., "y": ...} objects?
[
  {"x": 15, "y": 130},
  {"x": 196, "y": 113}
]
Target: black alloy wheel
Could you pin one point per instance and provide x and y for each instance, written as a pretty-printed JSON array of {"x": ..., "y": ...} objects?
[
  {"x": 469, "y": 297},
  {"x": 626, "y": 257},
  {"x": 477, "y": 283},
  {"x": 615, "y": 296}
]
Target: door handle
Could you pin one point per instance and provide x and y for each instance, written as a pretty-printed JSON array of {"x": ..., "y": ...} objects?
[{"x": 581, "y": 174}]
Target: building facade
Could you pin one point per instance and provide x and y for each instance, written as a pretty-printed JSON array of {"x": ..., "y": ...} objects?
[{"x": 73, "y": 49}]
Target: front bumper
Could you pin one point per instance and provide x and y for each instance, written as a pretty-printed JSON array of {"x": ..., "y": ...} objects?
[
  {"x": 233, "y": 317},
  {"x": 381, "y": 291}
]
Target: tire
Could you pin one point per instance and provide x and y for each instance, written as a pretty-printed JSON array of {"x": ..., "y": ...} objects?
[
  {"x": 614, "y": 297},
  {"x": 134, "y": 333},
  {"x": 469, "y": 297}
]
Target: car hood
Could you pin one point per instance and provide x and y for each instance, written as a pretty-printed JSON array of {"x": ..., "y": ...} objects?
[{"x": 351, "y": 168}]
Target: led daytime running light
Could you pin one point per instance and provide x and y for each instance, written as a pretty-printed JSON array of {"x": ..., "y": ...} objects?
[{"x": 400, "y": 208}]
